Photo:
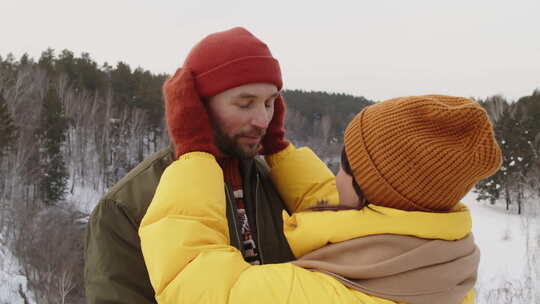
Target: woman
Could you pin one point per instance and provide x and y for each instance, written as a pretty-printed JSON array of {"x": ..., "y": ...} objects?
[{"x": 405, "y": 237}]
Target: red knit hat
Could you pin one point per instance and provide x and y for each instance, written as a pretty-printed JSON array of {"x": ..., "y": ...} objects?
[{"x": 229, "y": 59}]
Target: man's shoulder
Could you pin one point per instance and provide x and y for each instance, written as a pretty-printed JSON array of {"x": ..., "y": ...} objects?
[{"x": 133, "y": 193}]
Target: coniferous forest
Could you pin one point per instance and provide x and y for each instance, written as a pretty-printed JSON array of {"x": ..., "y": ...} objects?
[{"x": 69, "y": 123}]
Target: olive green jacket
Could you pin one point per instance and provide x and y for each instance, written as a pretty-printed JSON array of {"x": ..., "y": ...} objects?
[{"x": 115, "y": 271}]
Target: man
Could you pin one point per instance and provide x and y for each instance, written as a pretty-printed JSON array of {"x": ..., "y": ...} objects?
[{"x": 238, "y": 82}]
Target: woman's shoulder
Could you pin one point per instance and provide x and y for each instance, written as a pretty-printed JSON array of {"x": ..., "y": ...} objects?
[{"x": 307, "y": 231}]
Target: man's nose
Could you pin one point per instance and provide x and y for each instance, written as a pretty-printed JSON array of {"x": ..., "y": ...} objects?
[{"x": 260, "y": 117}]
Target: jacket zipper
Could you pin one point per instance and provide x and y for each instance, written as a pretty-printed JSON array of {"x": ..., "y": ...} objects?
[
  {"x": 257, "y": 220},
  {"x": 230, "y": 200}
]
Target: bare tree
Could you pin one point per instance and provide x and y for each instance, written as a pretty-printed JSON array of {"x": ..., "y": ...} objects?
[
  {"x": 49, "y": 245},
  {"x": 496, "y": 106}
]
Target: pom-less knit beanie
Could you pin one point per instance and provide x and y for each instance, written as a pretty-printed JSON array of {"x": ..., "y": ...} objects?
[
  {"x": 229, "y": 59},
  {"x": 421, "y": 153}
]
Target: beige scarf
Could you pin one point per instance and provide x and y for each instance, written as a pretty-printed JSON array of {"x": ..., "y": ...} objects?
[{"x": 401, "y": 268}]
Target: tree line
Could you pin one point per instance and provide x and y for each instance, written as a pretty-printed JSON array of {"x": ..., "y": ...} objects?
[
  {"x": 517, "y": 129},
  {"x": 66, "y": 121},
  {"x": 66, "y": 124}
]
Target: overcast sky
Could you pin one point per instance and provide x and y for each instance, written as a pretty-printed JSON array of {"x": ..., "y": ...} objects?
[{"x": 378, "y": 49}]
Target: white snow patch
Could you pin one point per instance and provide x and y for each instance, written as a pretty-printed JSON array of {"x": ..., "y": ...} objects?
[
  {"x": 12, "y": 282},
  {"x": 85, "y": 198}
]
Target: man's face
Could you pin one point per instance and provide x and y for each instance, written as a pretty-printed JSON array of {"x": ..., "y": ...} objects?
[{"x": 240, "y": 116}]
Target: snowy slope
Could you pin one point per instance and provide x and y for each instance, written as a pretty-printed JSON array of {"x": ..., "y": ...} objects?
[
  {"x": 502, "y": 238},
  {"x": 12, "y": 283}
]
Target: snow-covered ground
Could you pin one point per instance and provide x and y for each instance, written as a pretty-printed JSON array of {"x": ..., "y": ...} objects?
[
  {"x": 12, "y": 282},
  {"x": 509, "y": 244}
]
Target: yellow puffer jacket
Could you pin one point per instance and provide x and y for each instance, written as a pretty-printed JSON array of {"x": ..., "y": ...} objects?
[{"x": 185, "y": 238}]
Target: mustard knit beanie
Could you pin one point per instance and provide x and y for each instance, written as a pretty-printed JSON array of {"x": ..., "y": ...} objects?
[{"x": 421, "y": 153}]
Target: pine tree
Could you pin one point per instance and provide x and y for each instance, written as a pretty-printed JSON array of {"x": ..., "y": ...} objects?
[
  {"x": 52, "y": 136},
  {"x": 7, "y": 127},
  {"x": 47, "y": 60}
]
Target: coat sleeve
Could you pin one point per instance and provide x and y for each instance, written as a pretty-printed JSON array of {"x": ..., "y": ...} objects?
[
  {"x": 114, "y": 266},
  {"x": 302, "y": 178},
  {"x": 184, "y": 234},
  {"x": 185, "y": 243}
]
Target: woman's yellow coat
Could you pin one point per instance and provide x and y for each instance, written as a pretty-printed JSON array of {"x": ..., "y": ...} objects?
[{"x": 185, "y": 237}]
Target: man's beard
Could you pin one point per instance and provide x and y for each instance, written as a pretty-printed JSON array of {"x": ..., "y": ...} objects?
[{"x": 232, "y": 147}]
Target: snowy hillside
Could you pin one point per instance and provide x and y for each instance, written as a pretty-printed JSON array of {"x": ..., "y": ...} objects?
[{"x": 12, "y": 283}]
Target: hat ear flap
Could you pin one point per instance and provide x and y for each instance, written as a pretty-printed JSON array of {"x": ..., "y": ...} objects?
[{"x": 186, "y": 116}]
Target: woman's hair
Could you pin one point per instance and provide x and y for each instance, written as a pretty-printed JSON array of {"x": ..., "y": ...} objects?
[
  {"x": 347, "y": 168},
  {"x": 362, "y": 202}
]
